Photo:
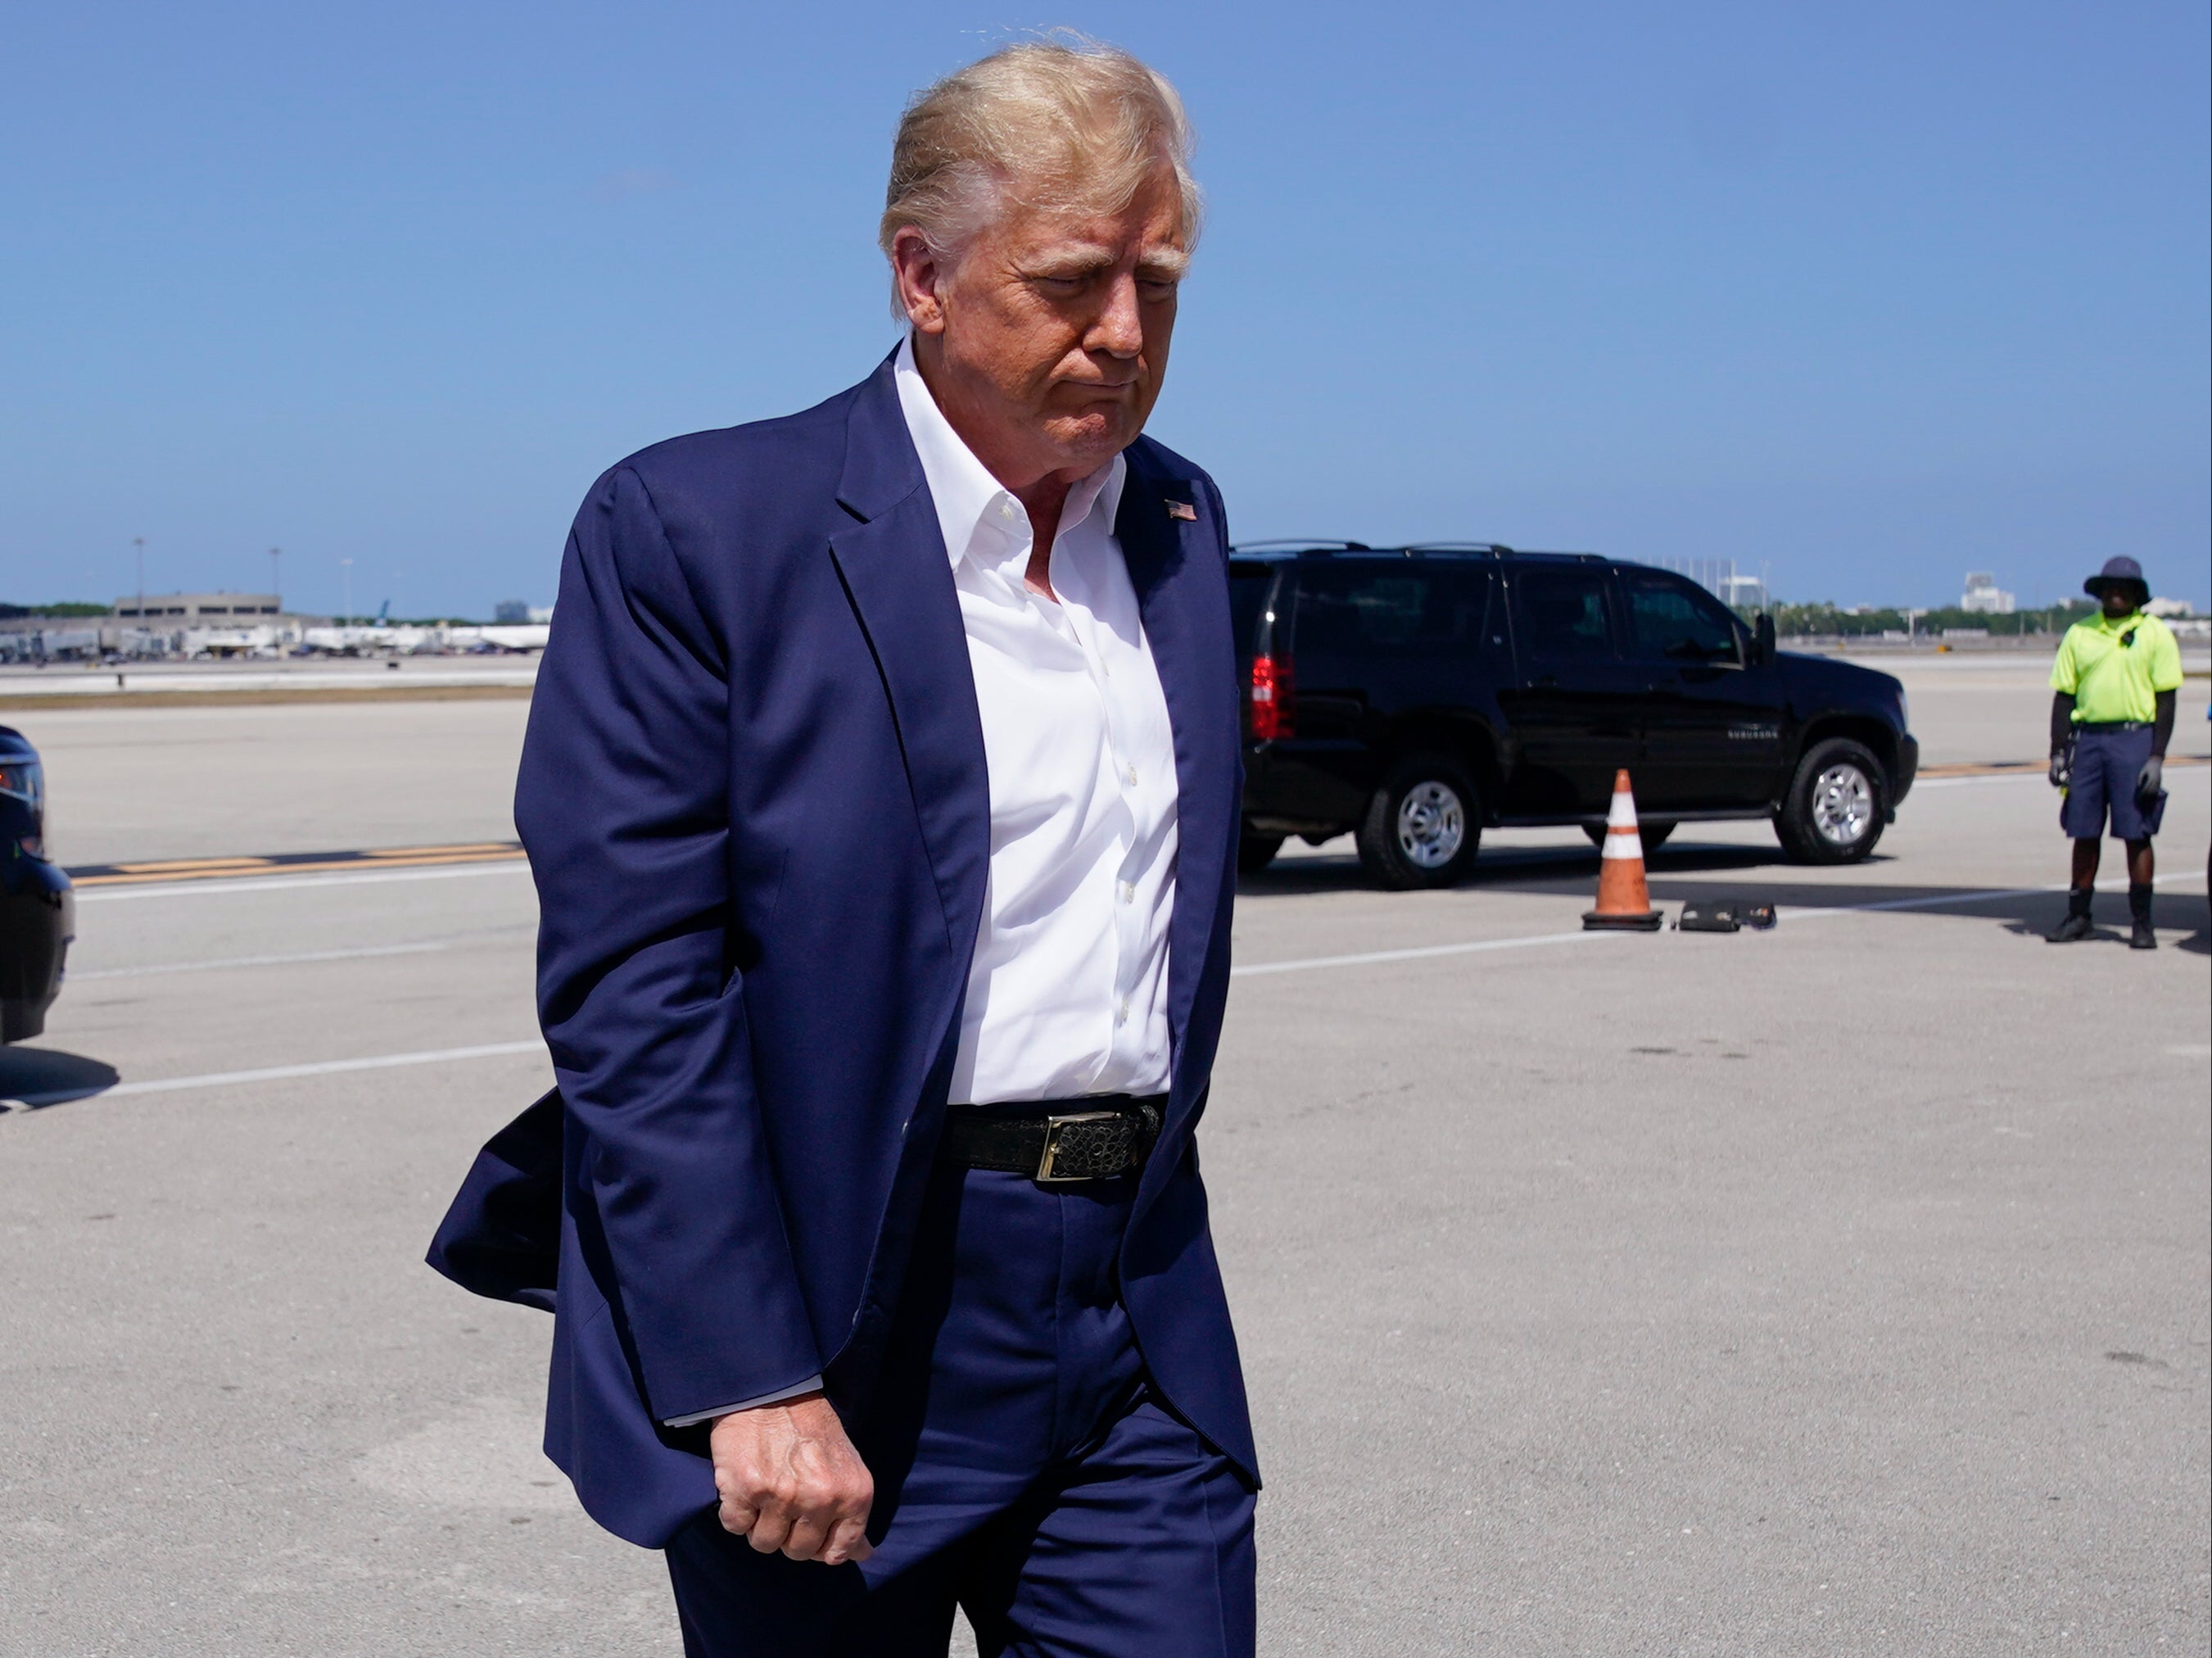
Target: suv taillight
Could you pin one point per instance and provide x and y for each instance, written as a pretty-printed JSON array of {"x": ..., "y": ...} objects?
[{"x": 1274, "y": 698}]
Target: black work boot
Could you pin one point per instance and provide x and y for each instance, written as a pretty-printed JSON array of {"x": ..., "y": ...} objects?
[
  {"x": 2077, "y": 925},
  {"x": 2141, "y": 938}
]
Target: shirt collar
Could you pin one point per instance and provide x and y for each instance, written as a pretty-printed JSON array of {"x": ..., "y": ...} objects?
[{"x": 963, "y": 490}]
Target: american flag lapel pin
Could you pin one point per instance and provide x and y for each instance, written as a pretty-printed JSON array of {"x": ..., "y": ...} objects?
[{"x": 1183, "y": 511}]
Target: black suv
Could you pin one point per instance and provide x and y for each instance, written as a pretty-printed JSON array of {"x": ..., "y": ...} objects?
[
  {"x": 1411, "y": 695},
  {"x": 37, "y": 910}
]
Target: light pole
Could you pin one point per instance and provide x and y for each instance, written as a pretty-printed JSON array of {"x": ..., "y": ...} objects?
[
  {"x": 138, "y": 544},
  {"x": 347, "y": 564},
  {"x": 277, "y": 577}
]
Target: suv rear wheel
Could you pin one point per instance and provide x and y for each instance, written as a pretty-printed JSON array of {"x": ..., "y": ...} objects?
[
  {"x": 1423, "y": 825},
  {"x": 1837, "y": 805},
  {"x": 1256, "y": 852}
]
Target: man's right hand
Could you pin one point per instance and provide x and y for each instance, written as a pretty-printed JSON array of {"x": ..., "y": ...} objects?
[
  {"x": 2062, "y": 767},
  {"x": 2150, "y": 782},
  {"x": 791, "y": 1481}
]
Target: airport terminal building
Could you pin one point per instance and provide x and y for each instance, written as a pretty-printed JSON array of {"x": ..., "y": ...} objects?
[
  {"x": 196, "y": 609},
  {"x": 158, "y": 625}
]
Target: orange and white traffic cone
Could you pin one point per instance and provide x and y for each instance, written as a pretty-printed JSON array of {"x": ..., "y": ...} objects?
[{"x": 1623, "y": 902}]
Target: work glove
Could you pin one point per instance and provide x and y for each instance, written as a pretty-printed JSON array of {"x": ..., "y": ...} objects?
[
  {"x": 2062, "y": 766},
  {"x": 2150, "y": 780}
]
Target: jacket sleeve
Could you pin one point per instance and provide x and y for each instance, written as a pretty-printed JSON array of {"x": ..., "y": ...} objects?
[{"x": 622, "y": 805}]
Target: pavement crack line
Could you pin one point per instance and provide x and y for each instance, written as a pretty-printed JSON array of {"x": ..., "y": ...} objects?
[
  {"x": 1310, "y": 964},
  {"x": 277, "y": 1073},
  {"x": 1369, "y": 958},
  {"x": 357, "y": 953},
  {"x": 328, "y": 1067}
]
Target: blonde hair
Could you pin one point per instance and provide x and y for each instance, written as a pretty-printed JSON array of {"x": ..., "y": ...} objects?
[{"x": 1058, "y": 124}]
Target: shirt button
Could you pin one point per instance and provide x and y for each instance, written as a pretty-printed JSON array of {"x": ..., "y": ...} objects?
[
  {"x": 1121, "y": 1013},
  {"x": 1130, "y": 773},
  {"x": 1128, "y": 891}
]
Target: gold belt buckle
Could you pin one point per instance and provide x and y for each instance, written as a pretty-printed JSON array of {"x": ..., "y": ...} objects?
[{"x": 1048, "y": 1162}]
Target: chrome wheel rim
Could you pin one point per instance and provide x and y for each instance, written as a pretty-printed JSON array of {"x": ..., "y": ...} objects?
[
  {"x": 1431, "y": 825},
  {"x": 1843, "y": 805}
]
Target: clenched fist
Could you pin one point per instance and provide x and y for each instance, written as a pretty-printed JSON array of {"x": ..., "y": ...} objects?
[{"x": 790, "y": 1480}]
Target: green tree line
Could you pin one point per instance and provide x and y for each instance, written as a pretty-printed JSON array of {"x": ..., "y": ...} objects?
[
  {"x": 10, "y": 612},
  {"x": 1798, "y": 621}
]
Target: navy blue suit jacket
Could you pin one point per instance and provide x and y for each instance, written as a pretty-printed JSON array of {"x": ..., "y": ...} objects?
[{"x": 755, "y": 801}]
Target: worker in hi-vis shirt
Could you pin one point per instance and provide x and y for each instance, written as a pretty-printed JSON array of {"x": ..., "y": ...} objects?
[{"x": 2111, "y": 716}]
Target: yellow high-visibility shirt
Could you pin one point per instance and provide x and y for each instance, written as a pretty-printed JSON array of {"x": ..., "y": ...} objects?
[{"x": 2115, "y": 670}]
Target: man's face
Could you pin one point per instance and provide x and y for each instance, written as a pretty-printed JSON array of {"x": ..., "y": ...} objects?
[
  {"x": 1047, "y": 343},
  {"x": 2119, "y": 600}
]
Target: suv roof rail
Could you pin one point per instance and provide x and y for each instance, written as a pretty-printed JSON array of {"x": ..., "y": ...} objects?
[
  {"x": 1301, "y": 544},
  {"x": 1458, "y": 546}
]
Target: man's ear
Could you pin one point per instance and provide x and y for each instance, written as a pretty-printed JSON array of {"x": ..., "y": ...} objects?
[{"x": 915, "y": 270}]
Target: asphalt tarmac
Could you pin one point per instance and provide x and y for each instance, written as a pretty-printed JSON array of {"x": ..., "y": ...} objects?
[{"x": 1838, "y": 1290}]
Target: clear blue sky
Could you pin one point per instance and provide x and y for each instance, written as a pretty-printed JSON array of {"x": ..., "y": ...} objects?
[{"x": 1873, "y": 295}]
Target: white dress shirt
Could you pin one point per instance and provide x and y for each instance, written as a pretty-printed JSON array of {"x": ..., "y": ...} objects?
[{"x": 1068, "y": 990}]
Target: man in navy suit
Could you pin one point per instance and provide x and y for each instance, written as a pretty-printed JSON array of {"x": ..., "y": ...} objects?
[{"x": 882, "y": 793}]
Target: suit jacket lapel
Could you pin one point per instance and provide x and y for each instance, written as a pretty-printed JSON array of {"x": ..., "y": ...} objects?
[
  {"x": 896, "y": 569},
  {"x": 1186, "y": 624}
]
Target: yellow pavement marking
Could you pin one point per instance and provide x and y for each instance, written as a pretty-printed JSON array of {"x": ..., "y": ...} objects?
[
  {"x": 504, "y": 848},
  {"x": 1998, "y": 768},
  {"x": 177, "y": 865},
  {"x": 232, "y": 868}
]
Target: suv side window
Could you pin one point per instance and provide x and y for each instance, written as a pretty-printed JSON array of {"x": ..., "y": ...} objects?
[
  {"x": 1560, "y": 611},
  {"x": 1370, "y": 608},
  {"x": 1676, "y": 622},
  {"x": 1250, "y": 581}
]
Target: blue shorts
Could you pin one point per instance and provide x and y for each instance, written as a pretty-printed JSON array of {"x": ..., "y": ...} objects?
[{"x": 2106, "y": 766}]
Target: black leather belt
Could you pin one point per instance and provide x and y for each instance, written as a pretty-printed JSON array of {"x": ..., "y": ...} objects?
[
  {"x": 2113, "y": 725},
  {"x": 1056, "y": 1140}
]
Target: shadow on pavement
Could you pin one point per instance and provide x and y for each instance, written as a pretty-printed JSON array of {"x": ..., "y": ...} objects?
[
  {"x": 2111, "y": 922},
  {"x": 1521, "y": 868},
  {"x": 1754, "y": 874},
  {"x": 33, "y": 1078}
]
